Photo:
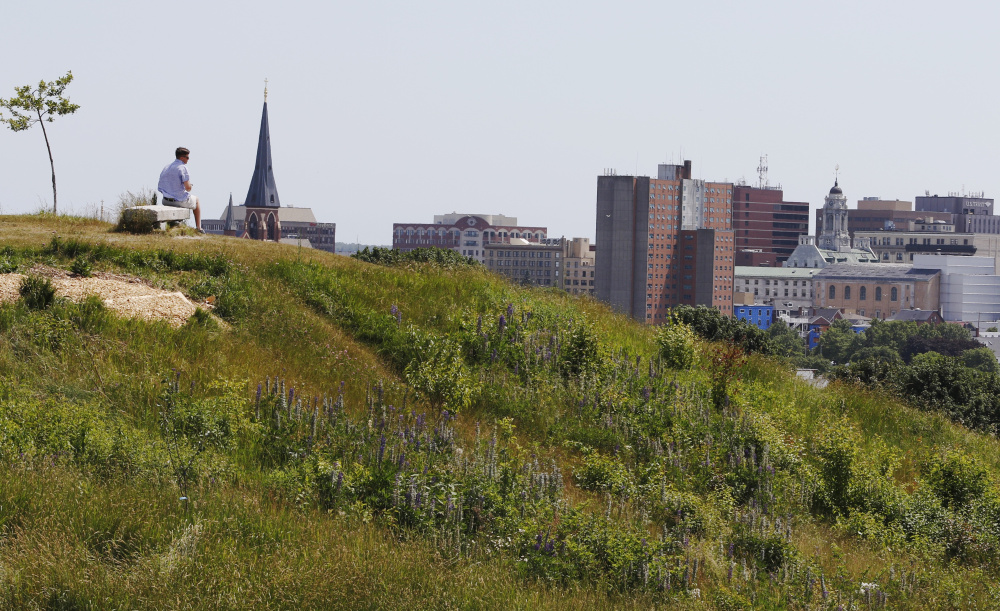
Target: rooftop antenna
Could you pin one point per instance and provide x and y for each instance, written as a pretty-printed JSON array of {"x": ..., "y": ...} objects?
[
  {"x": 762, "y": 172},
  {"x": 836, "y": 174}
]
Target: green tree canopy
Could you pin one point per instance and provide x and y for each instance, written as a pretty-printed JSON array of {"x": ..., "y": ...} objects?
[
  {"x": 839, "y": 342},
  {"x": 40, "y": 104}
]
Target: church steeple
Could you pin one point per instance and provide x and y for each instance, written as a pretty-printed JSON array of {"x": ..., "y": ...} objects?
[
  {"x": 263, "y": 193},
  {"x": 229, "y": 219}
]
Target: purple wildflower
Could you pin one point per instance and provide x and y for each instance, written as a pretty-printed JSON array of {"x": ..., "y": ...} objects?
[
  {"x": 381, "y": 449},
  {"x": 503, "y": 323},
  {"x": 393, "y": 310},
  {"x": 510, "y": 310}
]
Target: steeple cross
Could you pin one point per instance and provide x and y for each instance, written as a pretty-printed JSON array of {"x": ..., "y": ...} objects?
[{"x": 265, "y": 89}]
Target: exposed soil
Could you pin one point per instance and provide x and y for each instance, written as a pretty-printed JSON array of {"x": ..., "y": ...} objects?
[{"x": 127, "y": 296}]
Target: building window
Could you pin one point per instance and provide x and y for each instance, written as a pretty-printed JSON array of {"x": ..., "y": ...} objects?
[
  {"x": 878, "y": 294},
  {"x": 833, "y": 292},
  {"x": 894, "y": 294},
  {"x": 847, "y": 292},
  {"x": 862, "y": 294}
]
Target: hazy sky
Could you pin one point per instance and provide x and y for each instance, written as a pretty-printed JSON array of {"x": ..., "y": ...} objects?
[{"x": 396, "y": 111}]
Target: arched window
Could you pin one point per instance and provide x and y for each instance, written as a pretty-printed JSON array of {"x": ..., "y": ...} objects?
[
  {"x": 894, "y": 294},
  {"x": 833, "y": 292},
  {"x": 847, "y": 292},
  {"x": 862, "y": 294},
  {"x": 252, "y": 226},
  {"x": 272, "y": 228},
  {"x": 878, "y": 293}
]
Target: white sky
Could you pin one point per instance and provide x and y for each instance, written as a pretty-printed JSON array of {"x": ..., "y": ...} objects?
[{"x": 396, "y": 111}]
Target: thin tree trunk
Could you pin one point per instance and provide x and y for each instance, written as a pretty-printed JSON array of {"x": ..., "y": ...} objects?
[{"x": 52, "y": 162}]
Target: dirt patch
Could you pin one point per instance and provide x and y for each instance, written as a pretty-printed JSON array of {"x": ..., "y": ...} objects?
[{"x": 125, "y": 295}]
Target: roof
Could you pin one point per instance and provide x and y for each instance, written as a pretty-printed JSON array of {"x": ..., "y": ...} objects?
[
  {"x": 828, "y": 313},
  {"x": 263, "y": 193},
  {"x": 774, "y": 272},
  {"x": 836, "y": 190},
  {"x": 875, "y": 272},
  {"x": 288, "y": 214},
  {"x": 914, "y": 315},
  {"x": 229, "y": 218}
]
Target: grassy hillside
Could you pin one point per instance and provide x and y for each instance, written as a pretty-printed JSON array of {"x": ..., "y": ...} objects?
[{"x": 345, "y": 435}]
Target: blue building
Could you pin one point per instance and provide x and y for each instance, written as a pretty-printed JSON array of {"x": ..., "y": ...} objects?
[{"x": 760, "y": 316}]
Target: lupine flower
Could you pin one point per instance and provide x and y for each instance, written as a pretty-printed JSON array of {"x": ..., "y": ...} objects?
[
  {"x": 502, "y": 323},
  {"x": 510, "y": 310}
]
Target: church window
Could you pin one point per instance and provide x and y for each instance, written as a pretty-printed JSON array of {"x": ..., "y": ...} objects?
[
  {"x": 878, "y": 293},
  {"x": 847, "y": 292},
  {"x": 862, "y": 293},
  {"x": 833, "y": 292},
  {"x": 894, "y": 294}
]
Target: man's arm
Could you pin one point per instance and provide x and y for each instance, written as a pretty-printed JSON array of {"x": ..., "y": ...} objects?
[{"x": 187, "y": 185}]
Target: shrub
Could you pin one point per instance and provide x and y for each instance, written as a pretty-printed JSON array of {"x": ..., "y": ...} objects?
[
  {"x": 676, "y": 345},
  {"x": 581, "y": 352},
  {"x": 136, "y": 223},
  {"x": 81, "y": 267},
  {"x": 440, "y": 375},
  {"x": 37, "y": 292},
  {"x": 8, "y": 265},
  {"x": 603, "y": 473},
  {"x": 955, "y": 478}
]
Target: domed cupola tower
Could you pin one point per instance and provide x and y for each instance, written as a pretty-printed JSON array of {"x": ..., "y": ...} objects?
[{"x": 834, "y": 235}]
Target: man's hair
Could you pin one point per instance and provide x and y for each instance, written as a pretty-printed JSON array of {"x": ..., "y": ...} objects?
[{"x": 181, "y": 152}]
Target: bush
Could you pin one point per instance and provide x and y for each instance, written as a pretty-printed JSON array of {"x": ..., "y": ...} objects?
[
  {"x": 81, "y": 267},
  {"x": 37, "y": 292},
  {"x": 676, "y": 345},
  {"x": 955, "y": 478}
]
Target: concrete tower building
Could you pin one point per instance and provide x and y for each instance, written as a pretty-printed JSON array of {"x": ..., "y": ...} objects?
[{"x": 663, "y": 242}]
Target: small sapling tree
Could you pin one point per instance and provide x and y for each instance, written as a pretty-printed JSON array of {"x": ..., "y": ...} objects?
[{"x": 41, "y": 105}]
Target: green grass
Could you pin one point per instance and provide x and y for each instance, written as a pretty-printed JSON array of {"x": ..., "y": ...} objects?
[{"x": 589, "y": 474}]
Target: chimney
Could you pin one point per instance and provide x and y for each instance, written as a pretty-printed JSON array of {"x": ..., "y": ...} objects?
[{"x": 687, "y": 168}]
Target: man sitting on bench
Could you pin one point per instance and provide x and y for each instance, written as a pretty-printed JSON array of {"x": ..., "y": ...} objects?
[{"x": 175, "y": 185}]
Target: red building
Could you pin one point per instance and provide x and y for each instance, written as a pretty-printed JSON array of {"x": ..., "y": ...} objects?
[{"x": 766, "y": 227}]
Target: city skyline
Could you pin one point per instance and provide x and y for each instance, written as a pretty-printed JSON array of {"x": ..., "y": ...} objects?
[{"x": 518, "y": 108}]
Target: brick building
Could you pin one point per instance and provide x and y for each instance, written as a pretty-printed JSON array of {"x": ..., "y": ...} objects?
[
  {"x": 766, "y": 227},
  {"x": 877, "y": 290},
  {"x": 467, "y": 234},
  {"x": 663, "y": 242}
]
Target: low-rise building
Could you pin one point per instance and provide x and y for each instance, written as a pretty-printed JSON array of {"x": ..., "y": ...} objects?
[
  {"x": 786, "y": 289},
  {"x": 760, "y": 316},
  {"x": 877, "y": 290},
  {"x": 467, "y": 234},
  {"x": 578, "y": 266},
  {"x": 538, "y": 263},
  {"x": 921, "y": 236},
  {"x": 970, "y": 288}
]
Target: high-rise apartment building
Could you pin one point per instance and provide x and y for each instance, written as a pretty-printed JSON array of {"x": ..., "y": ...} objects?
[
  {"x": 663, "y": 242},
  {"x": 766, "y": 227}
]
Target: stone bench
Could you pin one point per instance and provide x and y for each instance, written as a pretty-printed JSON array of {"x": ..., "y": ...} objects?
[{"x": 158, "y": 215}]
